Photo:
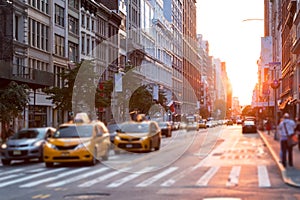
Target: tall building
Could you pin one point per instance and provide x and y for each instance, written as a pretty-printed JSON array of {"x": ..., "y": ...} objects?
[
  {"x": 191, "y": 68},
  {"x": 43, "y": 38}
]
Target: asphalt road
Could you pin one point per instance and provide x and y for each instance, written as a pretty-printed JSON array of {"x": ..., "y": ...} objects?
[{"x": 217, "y": 162}]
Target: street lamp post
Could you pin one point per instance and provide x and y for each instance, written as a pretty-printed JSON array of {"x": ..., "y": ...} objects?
[{"x": 275, "y": 85}]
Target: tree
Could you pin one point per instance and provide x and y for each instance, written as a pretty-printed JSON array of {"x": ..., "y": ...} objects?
[
  {"x": 220, "y": 108},
  {"x": 13, "y": 99},
  {"x": 81, "y": 89},
  {"x": 141, "y": 100},
  {"x": 248, "y": 111}
]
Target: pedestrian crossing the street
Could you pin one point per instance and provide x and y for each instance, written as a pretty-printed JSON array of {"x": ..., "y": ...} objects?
[{"x": 85, "y": 177}]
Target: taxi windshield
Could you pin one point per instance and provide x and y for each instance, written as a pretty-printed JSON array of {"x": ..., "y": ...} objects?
[
  {"x": 135, "y": 128},
  {"x": 74, "y": 131}
]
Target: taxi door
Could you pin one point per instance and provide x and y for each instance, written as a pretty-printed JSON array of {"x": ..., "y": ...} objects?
[{"x": 102, "y": 141}]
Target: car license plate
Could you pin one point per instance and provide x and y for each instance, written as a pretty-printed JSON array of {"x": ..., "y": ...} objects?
[
  {"x": 17, "y": 152},
  {"x": 129, "y": 146},
  {"x": 65, "y": 153}
]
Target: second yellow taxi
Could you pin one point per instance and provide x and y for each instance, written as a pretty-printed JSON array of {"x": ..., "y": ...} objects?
[{"x": 138, "y": 136}]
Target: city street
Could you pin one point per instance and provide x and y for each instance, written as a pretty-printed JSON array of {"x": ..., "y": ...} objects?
[{"x": 215, "y": 162}]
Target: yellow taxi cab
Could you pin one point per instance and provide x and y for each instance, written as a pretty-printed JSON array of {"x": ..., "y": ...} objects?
[
  {"x": 137, "y": 136},
  {"x": 81, "y": 140}
]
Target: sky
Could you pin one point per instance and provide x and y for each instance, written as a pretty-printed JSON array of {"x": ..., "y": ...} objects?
[{"x": 234, "y": 38}]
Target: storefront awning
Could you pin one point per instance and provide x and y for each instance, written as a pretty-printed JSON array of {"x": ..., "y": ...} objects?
[{"x": 285, "y": 103}]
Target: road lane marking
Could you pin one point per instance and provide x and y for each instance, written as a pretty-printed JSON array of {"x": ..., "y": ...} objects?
[
  {"x": 102, "y": 178},
  {"x": 11, "y": 172},
  {"x": 263, "y": 176},
  {"x": 233, "y": 178},
  {"x": 9, "y": 177},
  {"x": 156, "y": 177},
  {"x": 182, "y": 174},
  {"x": 31, "y": 177},
  {"x": 129, "y": 178},
  {"x": 61, "y": 175},
  {"x": 203, "y": 181},
  {"x": 76, "y": 178}
]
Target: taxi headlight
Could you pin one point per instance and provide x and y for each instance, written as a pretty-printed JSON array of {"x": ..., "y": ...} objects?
[
  {"x": 38, "y": 143},
  {"x": 82, "y": 145},
  {"x": 49, "y": 145},
  {"x": 117, "y": 137},
  {"x": 144, "y": 138},
  {"x": 4, "y": 146}
]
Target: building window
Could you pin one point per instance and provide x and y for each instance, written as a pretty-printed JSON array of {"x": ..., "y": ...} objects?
[
  {"x": 58, "y": 82},
  {"x": 82, "y": 21},
  {"x": 88, "y": 23},
  {"x": 38, "y": 35},
  {"x": 59, "y": 45},
  {"x": 101, "y": 27},
  {"x": 73, "y": 25},
  {"x": 74, "y": 4},
  {"x": 93, "y": 24},
  {"x": 41, "y": 5},
  {"x": 16, "y": 27},
  {"x": 87, "y": 45},
  {"x": 73, "y": 52},
  {"x": 59, "y": 15},
  {"x": 82, "y": 44},
  {"x": 33, "y": 33}
]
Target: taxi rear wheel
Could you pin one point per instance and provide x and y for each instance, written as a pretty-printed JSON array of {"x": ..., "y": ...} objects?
[
  {"x": 94, "y": 160},
  {"x": 158, "y": 146},
  {"x": 49, "y": 164},
  {"x": 105, "y": 157}
]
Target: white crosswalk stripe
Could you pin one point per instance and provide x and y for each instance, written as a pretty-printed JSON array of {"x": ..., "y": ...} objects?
[
  {"x": 76, "y": 178},
  {"x": 101, "y": 178},
  {"x": 35, "y": 183},
  {"x": 234, "y": 175},
  {"x": 156, "y": 177},
  {"x": 129, "y": 178},
  {"x": 263, "y": 177},
  {"x": 90, "y": 176},
  {"x": 203, "y": 181},
  {"x": 30, "y": 177}
]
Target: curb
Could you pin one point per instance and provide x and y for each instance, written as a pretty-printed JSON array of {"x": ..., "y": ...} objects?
[{"x": 288, "y": 180}]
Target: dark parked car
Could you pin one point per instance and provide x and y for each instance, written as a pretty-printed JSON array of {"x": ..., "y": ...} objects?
[
  {"x": 25, "y": 144},
  {"x": 166, "y": 128},
  {"x": 249, "y": 126}
]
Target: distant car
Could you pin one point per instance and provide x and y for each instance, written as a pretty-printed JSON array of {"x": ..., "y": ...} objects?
[
  {"x": 229, "y": 122},
  {"x": 166, "y": 129},
  {"x": 239, "y": 121},
  {"x": 138, "y": 137},
  {"x": 25, "y": 144},
  {"x": 209, "y": 124},
  {"x": 202, "y": 123},
  {"x": 249, "y": 126},
  {"x": 79, "y": 141},
  {"x": 175, "y": 125}
]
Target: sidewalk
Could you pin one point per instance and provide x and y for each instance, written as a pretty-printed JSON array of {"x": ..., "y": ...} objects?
[{"x": 290, "y": 175}]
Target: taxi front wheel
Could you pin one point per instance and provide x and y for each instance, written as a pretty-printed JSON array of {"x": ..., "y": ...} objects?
[{"x": 5, "y": 162}]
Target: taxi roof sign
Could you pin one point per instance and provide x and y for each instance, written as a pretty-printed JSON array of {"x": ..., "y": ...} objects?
[{"x": 82, "y": 118}]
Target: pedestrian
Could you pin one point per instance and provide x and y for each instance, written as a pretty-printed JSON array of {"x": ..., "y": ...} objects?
[
  {"x": 286, "y": 127},
  {"x": 297, "y": 131}
]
